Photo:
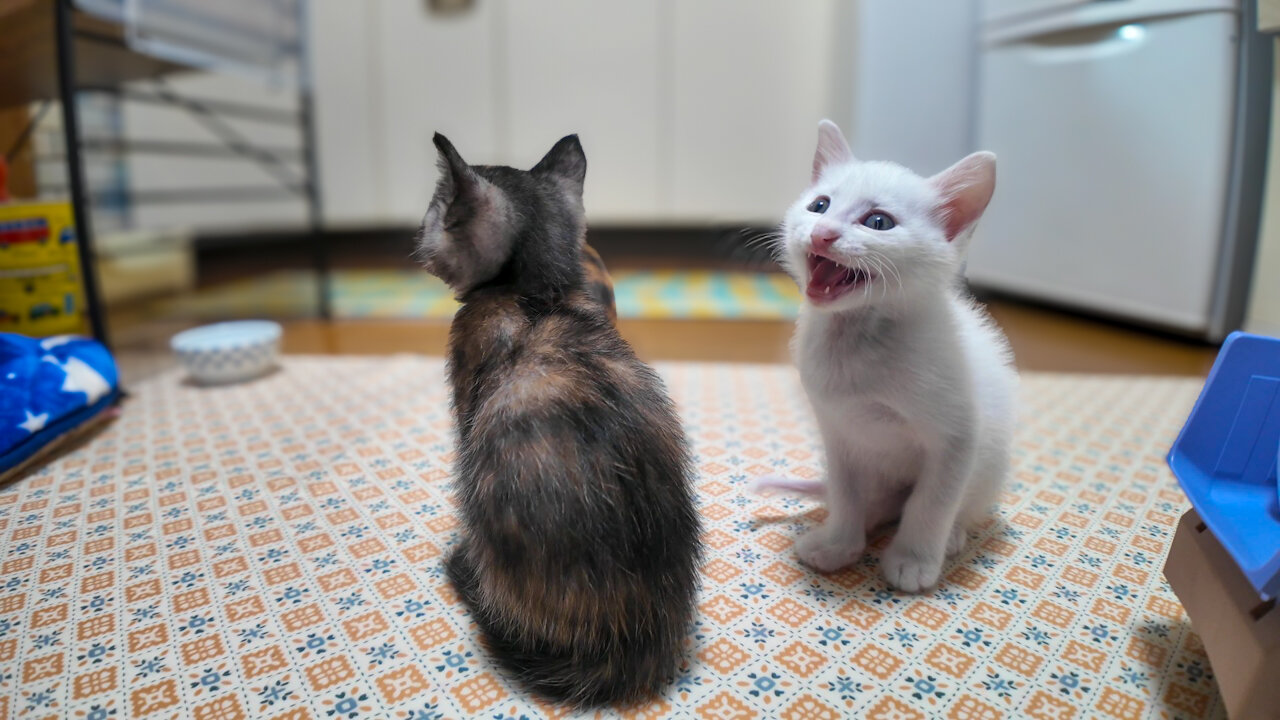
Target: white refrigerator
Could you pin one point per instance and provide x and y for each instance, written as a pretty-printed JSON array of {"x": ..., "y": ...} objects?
[{"x": 1131, "y": 137}]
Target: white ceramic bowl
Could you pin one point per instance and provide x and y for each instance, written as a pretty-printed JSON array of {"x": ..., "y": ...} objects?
[{"x": 228, "y": 352}]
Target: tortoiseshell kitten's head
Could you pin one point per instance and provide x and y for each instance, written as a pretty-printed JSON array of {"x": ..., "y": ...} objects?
[{"x": 490, "y": 225}]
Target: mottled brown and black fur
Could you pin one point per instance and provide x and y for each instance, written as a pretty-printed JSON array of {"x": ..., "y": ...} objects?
[
  {"x": 580, "y": 539},
  {"x": 597, "y": 282}
]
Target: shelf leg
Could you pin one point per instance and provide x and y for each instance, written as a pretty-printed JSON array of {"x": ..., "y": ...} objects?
[{"x": 64, "y": 40}]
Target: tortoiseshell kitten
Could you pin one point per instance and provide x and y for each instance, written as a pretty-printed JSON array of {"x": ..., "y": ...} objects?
[{"x": 580, "y": 540}]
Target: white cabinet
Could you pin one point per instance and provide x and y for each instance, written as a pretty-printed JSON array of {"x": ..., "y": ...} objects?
[
  {"x": 433, "y": 74},
  {"x": 353, "y": 179},
  {"x": 689, "y": 111},
  {"x": 388, "y": 75},
  {"x": 749, "y": 80},
  {"x": 590, "y": 67}
]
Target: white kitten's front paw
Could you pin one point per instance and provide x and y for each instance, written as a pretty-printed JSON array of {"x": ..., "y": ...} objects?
[
  {"x": 958, "y": 538},
  {"x": 820, "y": 551},
  {"x": 908, "y": 571}
]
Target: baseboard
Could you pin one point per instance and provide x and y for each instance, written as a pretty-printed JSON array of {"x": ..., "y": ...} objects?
[{"x": 221, "y": 256}]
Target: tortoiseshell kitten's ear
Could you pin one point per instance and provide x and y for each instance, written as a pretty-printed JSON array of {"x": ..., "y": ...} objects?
[
  {"x": 597, "y": 282},
  {"x": 467, "y": 233},
  {"x": 567, "y": 162}
]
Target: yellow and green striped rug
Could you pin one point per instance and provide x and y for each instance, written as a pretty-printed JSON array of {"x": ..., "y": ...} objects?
[{"x": 413, "y": 294}]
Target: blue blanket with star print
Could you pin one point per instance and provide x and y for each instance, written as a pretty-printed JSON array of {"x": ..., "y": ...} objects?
[{"x": 48, "y": 387}]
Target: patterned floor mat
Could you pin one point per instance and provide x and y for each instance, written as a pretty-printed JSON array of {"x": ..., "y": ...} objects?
[
  {"x": 412, "y": 294},
  {"x": 271, "y": 550}
]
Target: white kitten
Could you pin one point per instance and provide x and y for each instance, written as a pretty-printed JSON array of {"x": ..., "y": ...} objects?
[{"x": 911, "y": 384}]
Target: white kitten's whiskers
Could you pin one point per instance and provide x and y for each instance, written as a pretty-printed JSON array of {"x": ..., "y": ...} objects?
[{"x": 889, "y": 266}]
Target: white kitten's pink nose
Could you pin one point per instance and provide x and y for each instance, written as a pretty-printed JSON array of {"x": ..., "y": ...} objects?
[{"x": 824, "y": 235}]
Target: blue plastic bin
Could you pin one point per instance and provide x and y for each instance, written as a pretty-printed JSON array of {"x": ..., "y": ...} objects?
[{"x": 1225, "y": 458}]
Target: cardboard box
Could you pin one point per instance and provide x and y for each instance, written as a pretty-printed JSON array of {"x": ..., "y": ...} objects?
[
  {"x": 40, "y": 291},
  {"x": 1241, "y": 633}
]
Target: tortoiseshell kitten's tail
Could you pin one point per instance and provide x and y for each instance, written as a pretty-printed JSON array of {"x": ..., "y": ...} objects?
[
  {"x": 580, "y": 541},
  {"x": 587, "y": 676}
]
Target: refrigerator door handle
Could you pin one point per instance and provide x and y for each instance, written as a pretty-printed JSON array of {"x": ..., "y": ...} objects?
[{"x": 1085, "y": 44}]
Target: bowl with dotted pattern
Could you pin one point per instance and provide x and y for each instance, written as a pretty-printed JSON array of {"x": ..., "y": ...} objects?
[{"x": 228, "y": 352}]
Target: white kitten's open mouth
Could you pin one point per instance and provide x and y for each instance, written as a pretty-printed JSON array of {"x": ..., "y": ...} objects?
[{"x": 829, "y": 279}]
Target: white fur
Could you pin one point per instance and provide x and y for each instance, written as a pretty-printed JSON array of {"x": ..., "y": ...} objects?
[{"x": 912, "y": 385}]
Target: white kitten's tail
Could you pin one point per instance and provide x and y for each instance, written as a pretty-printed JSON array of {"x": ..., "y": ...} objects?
[{"x": 780, "y": 482}]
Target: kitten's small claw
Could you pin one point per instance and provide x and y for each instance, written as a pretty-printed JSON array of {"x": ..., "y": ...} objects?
[
  {"x": 821, "y": 553},
  {"x": 957, "y": 540},
  {"x": 909, "y": 572}
]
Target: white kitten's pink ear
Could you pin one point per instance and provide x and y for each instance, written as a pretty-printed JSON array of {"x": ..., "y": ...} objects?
[
  {"x": 965, "y": 189},
  {"x": 832, "y": 148}
]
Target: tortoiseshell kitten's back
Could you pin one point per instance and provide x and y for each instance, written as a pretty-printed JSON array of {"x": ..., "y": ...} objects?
[{"x": 580, "y": 539}]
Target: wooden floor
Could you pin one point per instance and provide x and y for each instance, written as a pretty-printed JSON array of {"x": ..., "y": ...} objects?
[
  {"x": 1044, "y": 340},
  {"x": 1054, "y": 341}
]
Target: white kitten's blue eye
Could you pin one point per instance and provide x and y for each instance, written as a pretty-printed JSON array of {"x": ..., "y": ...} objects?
[
  {"x": 878, "y": 221},
  {"x": 820, "y": 205}
]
